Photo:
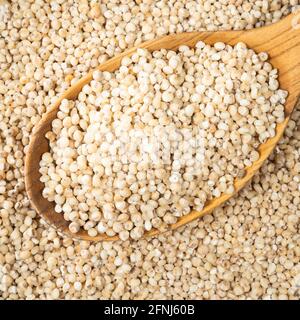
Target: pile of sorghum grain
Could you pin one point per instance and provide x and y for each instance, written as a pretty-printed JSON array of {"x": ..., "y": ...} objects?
[
  {"x": 159, "y": 137},
  {"x": 249, "y": 248}
]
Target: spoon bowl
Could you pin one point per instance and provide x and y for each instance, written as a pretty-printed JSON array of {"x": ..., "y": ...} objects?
[{"x": 281, "y": 41}]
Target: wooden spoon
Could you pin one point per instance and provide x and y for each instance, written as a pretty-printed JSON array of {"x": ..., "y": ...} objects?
[{"x": 281, "y": 41}]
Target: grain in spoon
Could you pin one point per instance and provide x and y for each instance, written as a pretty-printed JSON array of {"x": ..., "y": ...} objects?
[{"x": 281, "y": 41}]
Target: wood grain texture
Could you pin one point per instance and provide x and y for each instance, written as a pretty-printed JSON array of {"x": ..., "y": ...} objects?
[{"x": 281, "y": 41}]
